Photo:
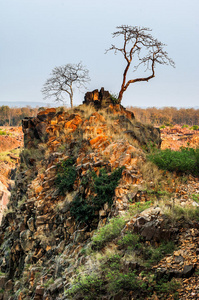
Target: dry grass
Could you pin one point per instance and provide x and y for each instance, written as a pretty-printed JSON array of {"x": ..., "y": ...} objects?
[
  {"x": 86, "y": 110},
  {"x": 5, "y": 155},
  {"x": 150, "y": 172}
]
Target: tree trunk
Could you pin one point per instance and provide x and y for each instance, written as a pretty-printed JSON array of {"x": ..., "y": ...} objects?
[
  {"x": 71, "y": 101},
  {"x": 120, "y": 95},
  {"x": 71, "y": 96}
]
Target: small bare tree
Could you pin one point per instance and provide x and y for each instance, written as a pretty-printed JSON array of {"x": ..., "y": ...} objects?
[
  {"x": 142, "y": 48},
  {"x": 62, "y": 80}
]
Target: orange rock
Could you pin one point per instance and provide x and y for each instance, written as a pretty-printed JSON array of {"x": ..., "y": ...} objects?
[
  {"x": 42, "y": 176},
  {"x": 47, "y": 111},
  {"x": 99, "y": 131},
  {"x": 53, "y": 122},
  {"x": 100, "y": 138},
  {"x": 38, "y": 189}
]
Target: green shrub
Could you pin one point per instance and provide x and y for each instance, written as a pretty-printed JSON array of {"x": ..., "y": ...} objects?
[
  {"x": 131, "y": 240},
  {"x": 111, "y": 276},
  {"x": 114, "y": 98},
  {"x": 82, "y": 210},
  {"x": 128, "y": 282},
  {"x": 194, "y": 127},
  {"x": 186, "y": 213},
  {"x": 107, "y": 233},
  {"x": 2, "y": 132},
  {"x": 168, "y": 287},
  {"x": 186, "y": 160},
  {"x": 138, "y": 207},
  {"x": 195, "y": 197},
  {"x": 88, "y": 287},
  {"x": 66, "y": 176},
  {"x": 153, "y": 255},
  {"x": 185, "y": 126},
  {"x": 103, "y": 186},
  {"x": 48, "y": 282},
  {"x": 112, "y": 262}
]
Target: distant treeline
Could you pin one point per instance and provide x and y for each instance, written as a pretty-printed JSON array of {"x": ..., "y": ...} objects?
[
  {"x": 156, "y": 116},
  {"x": 13, "y": 116},
  {"x": 166, "y": 116}
]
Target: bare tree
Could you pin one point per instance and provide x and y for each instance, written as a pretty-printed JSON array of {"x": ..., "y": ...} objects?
[
  {"x": 142, "y": 48},
  {"x": 62, "y": 80}
]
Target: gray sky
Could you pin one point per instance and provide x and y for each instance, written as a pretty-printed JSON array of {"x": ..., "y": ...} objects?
[{"x": 37, "y": 35}]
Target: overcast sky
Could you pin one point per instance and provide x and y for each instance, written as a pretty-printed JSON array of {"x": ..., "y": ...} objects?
[{"x": 37, "y": 35}]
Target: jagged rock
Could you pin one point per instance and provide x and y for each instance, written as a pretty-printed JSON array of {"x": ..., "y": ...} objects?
[
  {"x": 39, "y": 291},
  {"x": 30, "y": 224},
  {"x": 187, "y": 271},
  {"x": 99, "y": 99},
  {"x": 3, "y": 280},
  {"x": 56, "y": 286},
  {"x": 25, "y": 240}
]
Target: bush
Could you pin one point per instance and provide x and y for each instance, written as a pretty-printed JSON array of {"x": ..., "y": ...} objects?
[
  {"x": 195, "y": 197},
  {"x": 88, "y": 287},
  {"x": 129, "y": 281},
  {"x": 66, "y": 176},
  {"x": 117, "y": 279},
  {"x": 103, "y": 186},
  {"x": 107, "y": 233},
  {"x": 186, "y": 213},
  {"x": 186, "y": 160},
  {"x": 112, "y": 275},
  {"x": 130, "y": 239},
  {"x": 168, "y": 287},
  {"x": 194, "y": 127},
  {"x": 154, "y": 255},
  {"x": 114, "y": 98},
  {"x": 82, "y": 210},
  {"x": 138, "y": 207},
  {"x": 2, "y": 132}
]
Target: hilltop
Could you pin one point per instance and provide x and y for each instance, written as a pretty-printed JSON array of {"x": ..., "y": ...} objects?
[{"x": 91, "y": 218}]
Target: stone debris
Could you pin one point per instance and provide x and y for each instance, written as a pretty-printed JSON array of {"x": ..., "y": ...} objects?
[{"x": 176, "y": 137}]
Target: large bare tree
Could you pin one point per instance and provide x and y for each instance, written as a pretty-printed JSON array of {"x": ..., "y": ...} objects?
[
  {"x": 62, "y": 80},
  {"x": 140, "y": 47}
]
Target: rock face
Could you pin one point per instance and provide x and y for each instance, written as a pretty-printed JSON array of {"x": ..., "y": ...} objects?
[
  {"x": 77, "y": 171},
  {"x": 97, "y": 98}
]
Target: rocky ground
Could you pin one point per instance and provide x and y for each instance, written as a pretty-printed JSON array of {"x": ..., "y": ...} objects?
[
  {"x": 147, "y": 241},
  {"x": 177, "y": 136}
]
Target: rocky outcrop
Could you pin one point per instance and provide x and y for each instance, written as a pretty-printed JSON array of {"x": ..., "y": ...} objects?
[
  {"x": 100, "y": 99},
  {"x": 77, "y": 171}
]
